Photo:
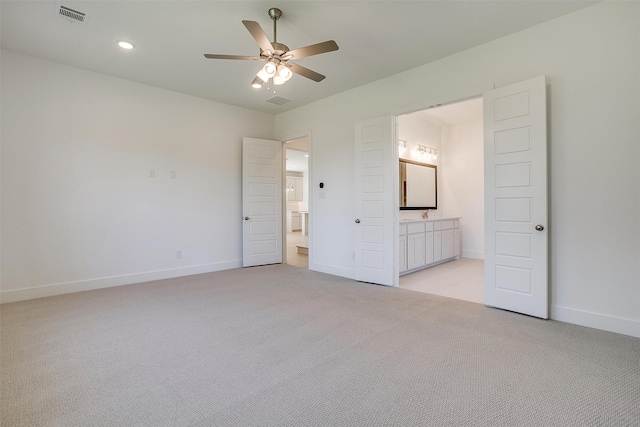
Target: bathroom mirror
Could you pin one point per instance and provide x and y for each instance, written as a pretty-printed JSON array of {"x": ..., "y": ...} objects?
[{"x": 418, "y": 185}]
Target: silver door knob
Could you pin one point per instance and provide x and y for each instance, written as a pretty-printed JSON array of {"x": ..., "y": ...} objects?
[
  {"x": 539, "y": 227},
  {"x": 246, "y": 218},
  {"x": 357, "y": 221}
]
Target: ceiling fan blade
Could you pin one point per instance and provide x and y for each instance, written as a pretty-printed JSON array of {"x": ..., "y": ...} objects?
[
  {"x": 314, "y": 49},
  {"x": 256, "y": 31},
  {"x": 249, "y": 58},
  {"x": 305, "y": 72}
]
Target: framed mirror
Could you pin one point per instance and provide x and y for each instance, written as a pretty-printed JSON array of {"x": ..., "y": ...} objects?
[{"x": 418, "y": 185}]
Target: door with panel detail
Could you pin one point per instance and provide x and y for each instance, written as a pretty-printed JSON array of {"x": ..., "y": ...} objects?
[
  {"x": 261, "y": 202},
  {"x": 516, "y": 271},
  {"x": 375, "y": 221}
]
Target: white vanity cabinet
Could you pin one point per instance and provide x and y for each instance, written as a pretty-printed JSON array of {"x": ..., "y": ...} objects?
[
  {"x": 424, "y": 243},
  {"x": 402, "y": 248},
  {"x": 294, "y": 189},
  {"x": 416, "y": 247}
]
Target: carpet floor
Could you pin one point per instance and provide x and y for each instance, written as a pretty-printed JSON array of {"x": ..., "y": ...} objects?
[{"x": 284, "y": 346}]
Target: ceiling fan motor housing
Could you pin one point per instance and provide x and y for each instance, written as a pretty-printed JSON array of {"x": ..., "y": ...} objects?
[{"x": 280, "y": 49}]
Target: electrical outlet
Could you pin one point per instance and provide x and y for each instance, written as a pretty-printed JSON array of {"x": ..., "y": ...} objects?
[
  {"x": 152, "y": 173},
  {"x": 178, "y": 254}
]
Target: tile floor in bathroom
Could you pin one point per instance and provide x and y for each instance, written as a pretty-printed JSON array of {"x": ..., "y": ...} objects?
[{"x": 461, "y": 279}]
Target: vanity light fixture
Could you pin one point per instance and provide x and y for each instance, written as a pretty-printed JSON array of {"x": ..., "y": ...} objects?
[
  {"x": 421, "y": 150},
  {"x": 125, "y": 45},
  {"x": 427, "y": 153}
]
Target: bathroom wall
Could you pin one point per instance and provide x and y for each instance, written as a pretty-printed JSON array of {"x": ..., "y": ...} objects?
[{"x": 463, "y": 182}]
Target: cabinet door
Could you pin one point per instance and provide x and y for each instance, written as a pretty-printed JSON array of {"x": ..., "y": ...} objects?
[
  {"x": 437, "y": 246},
  {"x": 296, "y": 224},
  {"x": 429, "y": 247},
  {"x": 415, "y": 250},
  {"x": 290, "y": 190},
  {"x": 448, "y": 246},
  {"x": 402, "y": 253},
  {"x": 298, "y": 188},
  {"x": 456, "y": 242}
]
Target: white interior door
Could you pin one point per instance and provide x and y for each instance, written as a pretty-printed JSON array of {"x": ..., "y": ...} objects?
[
  {"x": 515, "y": 131},
  {"x": 376, "y": 213},
  {"x": 261, "y": 202}
]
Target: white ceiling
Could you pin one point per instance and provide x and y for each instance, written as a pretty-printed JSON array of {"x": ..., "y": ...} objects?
[{"x": 376, "y": 39}]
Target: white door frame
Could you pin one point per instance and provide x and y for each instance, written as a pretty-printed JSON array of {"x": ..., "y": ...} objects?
[{"x": 298, "y": 135}]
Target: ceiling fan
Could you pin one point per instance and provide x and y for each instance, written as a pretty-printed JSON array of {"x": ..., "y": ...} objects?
[{"x": 278, "y": 67}]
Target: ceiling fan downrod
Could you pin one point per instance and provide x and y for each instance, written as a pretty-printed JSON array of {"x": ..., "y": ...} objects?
[{"x": 275, "y": 14}]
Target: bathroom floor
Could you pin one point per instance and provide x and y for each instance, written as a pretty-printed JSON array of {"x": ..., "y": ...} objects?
[
  {"x": 294, "y": 240},
  {"x": 461, "y": 279}
]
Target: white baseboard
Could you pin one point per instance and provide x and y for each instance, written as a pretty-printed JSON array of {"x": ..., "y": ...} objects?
[
  {"x": 333, "y": 270},
  {"x": 596, "y": 321},
  {"x": 107, "y": 282},
  {"x": 473, "y": 254}
]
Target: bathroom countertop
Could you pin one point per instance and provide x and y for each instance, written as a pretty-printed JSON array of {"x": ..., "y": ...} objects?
[{"x": 444, "y": 218}]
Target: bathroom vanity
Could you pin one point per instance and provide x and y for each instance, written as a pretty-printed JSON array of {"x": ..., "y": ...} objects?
[{"x": 427, "y": 242}]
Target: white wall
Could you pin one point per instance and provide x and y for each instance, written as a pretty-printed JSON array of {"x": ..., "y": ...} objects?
[
  {"x": 591, "y": 60},
  {"x": 463, "y": 183},
  {"x": 79, "y": 210}
]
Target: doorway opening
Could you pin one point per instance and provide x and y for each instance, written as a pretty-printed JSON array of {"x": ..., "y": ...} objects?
[
  {"x": 454, "y": 141},
  {"x": 297, "y": 202}
]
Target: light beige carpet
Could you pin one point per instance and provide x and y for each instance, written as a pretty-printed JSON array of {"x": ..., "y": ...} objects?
[{"x": 283, "y": 346}]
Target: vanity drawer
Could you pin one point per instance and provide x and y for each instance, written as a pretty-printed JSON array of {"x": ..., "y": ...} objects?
[
  {"x": 428, "y": 226},
  {"x": 437, "y": 225},
  {"x": 403, "y": 229},
  {"x": 456, "y": 223},
  {"x": 447, "y": 225},
  {"x": 415, "y": 227}
]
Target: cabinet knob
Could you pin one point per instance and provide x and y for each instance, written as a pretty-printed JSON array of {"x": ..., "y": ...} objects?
[
  {"x": 539, "y": 227},
  {"x": 246, "y": 218},
  {"x": 357, "y": 221}
]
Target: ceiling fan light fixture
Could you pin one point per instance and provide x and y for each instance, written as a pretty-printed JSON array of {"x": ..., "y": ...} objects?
[
  {"x": 256, "y": 83},
  {"x": 277, "y": 80},
  {"x": 268, "y": 71},
  {"x": 284, "y": 73}
]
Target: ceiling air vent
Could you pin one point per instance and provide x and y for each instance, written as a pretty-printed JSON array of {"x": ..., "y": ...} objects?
[
  {"x": 278, "y": 100},
  {"x": 72, "y": 15}
]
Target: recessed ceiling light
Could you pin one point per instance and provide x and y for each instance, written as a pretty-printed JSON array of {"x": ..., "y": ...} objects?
[{"x": 125, "y": 45}]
